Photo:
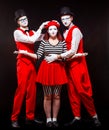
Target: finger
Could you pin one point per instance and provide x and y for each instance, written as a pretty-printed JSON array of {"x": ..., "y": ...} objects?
[
  {"x": 46, "y": 58},
  {"x": 48, "y": 61},
  {"x": 15, "y": 52},
  {"x": 86, "y": 54}
]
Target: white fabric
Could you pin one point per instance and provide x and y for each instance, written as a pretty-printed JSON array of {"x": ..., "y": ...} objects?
[
  {"x": 67, "y": 54},
  {"x": 49, "y": 120},
  {"x": 51, "y": 58},
  {"x": 21, "y": 37},
  {"x": 78, "y": 118},
  {"x": 95, "y": 116},
  {"x": 54, "y": 119},
  {"x": 76, "y": 37}
]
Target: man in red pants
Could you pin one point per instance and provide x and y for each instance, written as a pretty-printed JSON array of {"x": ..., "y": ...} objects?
[
  {"x": 26, "y": 71},
  {"x": 79, "y": 84}
]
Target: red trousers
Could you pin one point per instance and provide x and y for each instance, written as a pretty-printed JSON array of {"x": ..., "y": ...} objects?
[
  {"x": 26, "y": 76},
  {"x": 80, "y": 89}
]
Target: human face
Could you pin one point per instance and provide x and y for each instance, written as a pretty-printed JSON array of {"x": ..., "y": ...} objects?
[
  {"x": 23, "y": 21},
  {"x": 66, "y": 20},
  {"x": 52, "y": 31}
]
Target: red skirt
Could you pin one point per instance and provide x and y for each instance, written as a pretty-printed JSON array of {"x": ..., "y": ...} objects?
[{"x": 52, "y": 74}]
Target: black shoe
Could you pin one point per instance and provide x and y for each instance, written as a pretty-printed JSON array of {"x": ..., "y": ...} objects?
[
  {"x": 15, "y": 124},
  {"x": 55, "y": 124},
  {"x": 74, "y": 123},
  {"x": 38, "y": 121},
  {"x": 96, "y": 122},
  {"x": 33, "y": 122},
  {"x": 49, "y": 124}
]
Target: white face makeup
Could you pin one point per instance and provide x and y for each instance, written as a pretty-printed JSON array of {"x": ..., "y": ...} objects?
[
  {"x": 66, "y": 20},
  {"x": 23, "y": 21},
  {"x": 52, "y": 30}
]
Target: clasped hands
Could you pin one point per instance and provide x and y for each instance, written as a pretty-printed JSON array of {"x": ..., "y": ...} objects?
[{"x": 52, "y": 57}]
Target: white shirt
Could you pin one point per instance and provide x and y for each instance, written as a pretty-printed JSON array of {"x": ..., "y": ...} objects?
[
  {"x": 21, "y": 37},
  {"x": 77, "y": 36}
]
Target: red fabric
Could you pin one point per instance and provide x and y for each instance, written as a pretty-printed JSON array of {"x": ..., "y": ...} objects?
[
  {"x": 28, "y": 47},
  {"x": 51, "y": 23},
  {"x": 52, "y": 73},
  {"x": 26, "y": 77},
  {"x": 68, "y": 40},
  {"x": 79, "y": 85}
]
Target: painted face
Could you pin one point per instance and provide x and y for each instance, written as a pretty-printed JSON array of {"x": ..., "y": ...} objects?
[
  {"x": 66, "y": 20},
  {"x": 23, "y": 21},
  {"x": 52, "y": 30}
]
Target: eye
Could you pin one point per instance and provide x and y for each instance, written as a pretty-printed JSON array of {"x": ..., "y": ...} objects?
[
  {"x": 22, "y": 20},
  {"x": 50, "y": 29},
  {"x": 65, "y": 18}
]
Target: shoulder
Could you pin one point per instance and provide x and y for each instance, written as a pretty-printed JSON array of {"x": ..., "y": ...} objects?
[
  {"x": 77, "y": 30},
  {"x": 63, "y": 42},
  {"x": 17, "y": 32},
  {"x": 43, "y": 42}
]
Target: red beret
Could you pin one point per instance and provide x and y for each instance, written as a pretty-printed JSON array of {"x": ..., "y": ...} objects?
[{"x": 52, "y": 23}]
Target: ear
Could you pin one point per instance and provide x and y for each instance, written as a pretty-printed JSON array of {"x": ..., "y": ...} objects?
[
  {"x": 18, "y": 22},
  {"x": 71, "y": 18}
]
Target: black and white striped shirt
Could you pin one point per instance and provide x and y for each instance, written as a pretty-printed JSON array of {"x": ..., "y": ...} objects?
[{"x": 45, "y": 48}]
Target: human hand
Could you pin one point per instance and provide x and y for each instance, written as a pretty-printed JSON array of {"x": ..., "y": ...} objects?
[
  {"x": 79, "y": 55},
  {"x": 43, "y": 25},
  {"x": 84, "y": 54},
  {"x": 20, "y": 52},
  {"x": 51, "y": 57},
  {"x": 15, "y": 52}
]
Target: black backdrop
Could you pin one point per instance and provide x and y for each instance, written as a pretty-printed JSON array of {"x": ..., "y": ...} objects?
[{"x": 93, "y": 19}]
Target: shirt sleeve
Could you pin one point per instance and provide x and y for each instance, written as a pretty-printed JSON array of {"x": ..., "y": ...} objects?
[
  {"x": 20, "y": 37},
  {"x": 40, "y": 50},
  {"x": 76, "y": 37},
  {"x": 64, "y": 47}
]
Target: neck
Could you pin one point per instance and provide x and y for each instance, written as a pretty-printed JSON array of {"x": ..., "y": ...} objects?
[
  {"x": 53, "y": 38},
  {"x": 53, "y": 41},
  {"x": 71, "y": 25},
  {"x": 24, "y": 28}
]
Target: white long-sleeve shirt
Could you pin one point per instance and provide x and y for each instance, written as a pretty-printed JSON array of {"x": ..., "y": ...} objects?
[
  {"x": 21, "y": 37},
  {"x": 77, "y": 36}
]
